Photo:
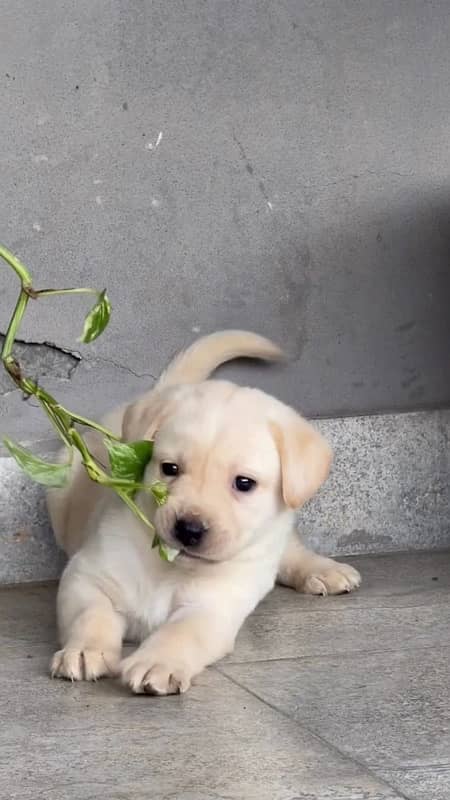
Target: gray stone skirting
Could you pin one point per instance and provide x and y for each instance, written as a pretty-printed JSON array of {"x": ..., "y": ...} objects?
[{"x": 389, "y": 490}]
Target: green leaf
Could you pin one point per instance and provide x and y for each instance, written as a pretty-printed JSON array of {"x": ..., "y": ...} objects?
[
  {"x": 55, "y": 475},
  {"x": 165, "y": 552},
  {"x": 128, "y": 461},
  {"x": 97, "y": 319},
  {"x": 160, "y": 492}
]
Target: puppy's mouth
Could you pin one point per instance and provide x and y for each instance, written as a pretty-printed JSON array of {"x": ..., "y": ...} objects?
[
  {"x": 195, "y": 556},
  {"x": 184, "y": 552}
]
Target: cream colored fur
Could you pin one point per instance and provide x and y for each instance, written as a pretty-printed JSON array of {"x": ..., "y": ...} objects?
[{"x": 187, "y": 614}]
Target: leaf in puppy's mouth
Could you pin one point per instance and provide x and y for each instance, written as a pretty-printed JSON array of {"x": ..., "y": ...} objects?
[
  {"x": 197, "y": 557},
  {"x": 166, "y": 553}
]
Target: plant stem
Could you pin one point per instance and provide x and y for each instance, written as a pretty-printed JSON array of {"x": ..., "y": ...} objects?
[
  {"x": 61, "y": 417},
  {"x": 48, "y": 292},
  {"x": 14, "y": 324},
  {"x": 88, "y": 423},
  {"x": 18, "y": 267},
  {"x": 13, "y": 369},
  {"x": 129, "y": 485},
  {"x": 12, "y": 330},
  {"x": 134, "y": 508},
  {"x": 93, "y": 469},
  {"x": 98, "y": 475}
]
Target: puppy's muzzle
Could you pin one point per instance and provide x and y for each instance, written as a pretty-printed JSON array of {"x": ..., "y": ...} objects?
[{"x": 189, "y": 531}]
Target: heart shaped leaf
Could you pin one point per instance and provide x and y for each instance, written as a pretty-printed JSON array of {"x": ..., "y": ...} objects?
[
  {"x": 41, "y": 471},
  {"x": 129, "y": 460},
  {"x": 97, "y": 319}
]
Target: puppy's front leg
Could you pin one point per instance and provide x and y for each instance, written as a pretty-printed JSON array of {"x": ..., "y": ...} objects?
[
  {"x": 169, "y": 659},
  {"x": 307, "y": 572},
  {"x": 90, "y": 630}
]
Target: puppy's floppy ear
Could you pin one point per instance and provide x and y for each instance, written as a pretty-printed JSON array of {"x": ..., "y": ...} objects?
[
  {"x": 142, "y": 418},
  {"x": 305, "y": 457}
]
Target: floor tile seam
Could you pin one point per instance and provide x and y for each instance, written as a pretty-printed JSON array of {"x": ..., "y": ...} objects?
[
  {"x": 412, "y": 767},
  {"x": 352, "y": 608},
  {"x": 346, "y": 655},
  {"x": 314, "y": 735}
]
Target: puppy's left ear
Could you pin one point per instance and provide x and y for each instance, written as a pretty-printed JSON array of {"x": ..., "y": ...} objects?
[
  {"x": 305, "y": 458},
  {"x": 142, "y": 417}
]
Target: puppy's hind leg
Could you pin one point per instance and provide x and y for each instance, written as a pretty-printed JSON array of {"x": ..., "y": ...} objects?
[
  {"x": 308, "y": 572},
  {"x": 91, "y": 631}
]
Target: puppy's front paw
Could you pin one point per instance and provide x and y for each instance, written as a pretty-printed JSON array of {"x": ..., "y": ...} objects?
[
  {"x": 331, "y": 577},
  {"x": 147, "y": 675},
  {"x": 84, "y": 665}
]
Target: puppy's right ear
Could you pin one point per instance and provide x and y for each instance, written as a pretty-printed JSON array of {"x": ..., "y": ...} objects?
[{"x": 142, "y": 418}]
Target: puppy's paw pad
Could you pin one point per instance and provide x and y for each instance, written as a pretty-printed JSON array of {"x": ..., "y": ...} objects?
[
  {"x": 335, "y": 579},
  {"x": 144, "y": 677},
  {"x": 84, "y": 665}
]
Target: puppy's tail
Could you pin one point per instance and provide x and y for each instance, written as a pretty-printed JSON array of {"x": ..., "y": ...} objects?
[{"x": 197, "y": 362}]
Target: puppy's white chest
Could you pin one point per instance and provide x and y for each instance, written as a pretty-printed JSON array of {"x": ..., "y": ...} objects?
[{"x": 152, "y": 607}]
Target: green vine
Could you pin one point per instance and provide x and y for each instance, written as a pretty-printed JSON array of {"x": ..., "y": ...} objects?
[{"x": 127, "y": 460}]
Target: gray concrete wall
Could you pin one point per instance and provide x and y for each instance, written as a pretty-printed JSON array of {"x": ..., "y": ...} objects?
[{"x": 282, "y": 166}]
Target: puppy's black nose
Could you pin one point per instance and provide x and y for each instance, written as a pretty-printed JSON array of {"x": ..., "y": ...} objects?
[{"x": 189, "y": 531}]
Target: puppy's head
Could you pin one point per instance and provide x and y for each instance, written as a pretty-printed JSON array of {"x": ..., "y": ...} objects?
[{"x": 234, "y": 459}]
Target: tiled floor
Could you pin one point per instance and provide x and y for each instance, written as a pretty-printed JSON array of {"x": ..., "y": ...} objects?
[{"x": 324, "y": 699}]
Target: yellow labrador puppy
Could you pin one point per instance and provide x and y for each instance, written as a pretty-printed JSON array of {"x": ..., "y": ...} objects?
[{"x": 238, "y": 463}]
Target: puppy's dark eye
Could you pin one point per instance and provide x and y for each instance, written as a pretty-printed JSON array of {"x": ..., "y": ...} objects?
[
  {"x": 169, "y": 469},
  {"x": 243, "y": 484}
]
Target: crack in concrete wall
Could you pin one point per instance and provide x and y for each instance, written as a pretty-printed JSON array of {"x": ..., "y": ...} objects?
[{"x": 39, "y": 360}]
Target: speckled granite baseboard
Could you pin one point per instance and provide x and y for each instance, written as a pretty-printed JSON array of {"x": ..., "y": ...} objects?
[{"x": 389, "y": 490}]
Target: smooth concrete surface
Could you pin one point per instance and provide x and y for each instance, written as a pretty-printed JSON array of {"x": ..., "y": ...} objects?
[
  {"x": 280, "y": 165},
  {"x": 389, "y": 490},
  {"x": 309, "y": 707}
]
